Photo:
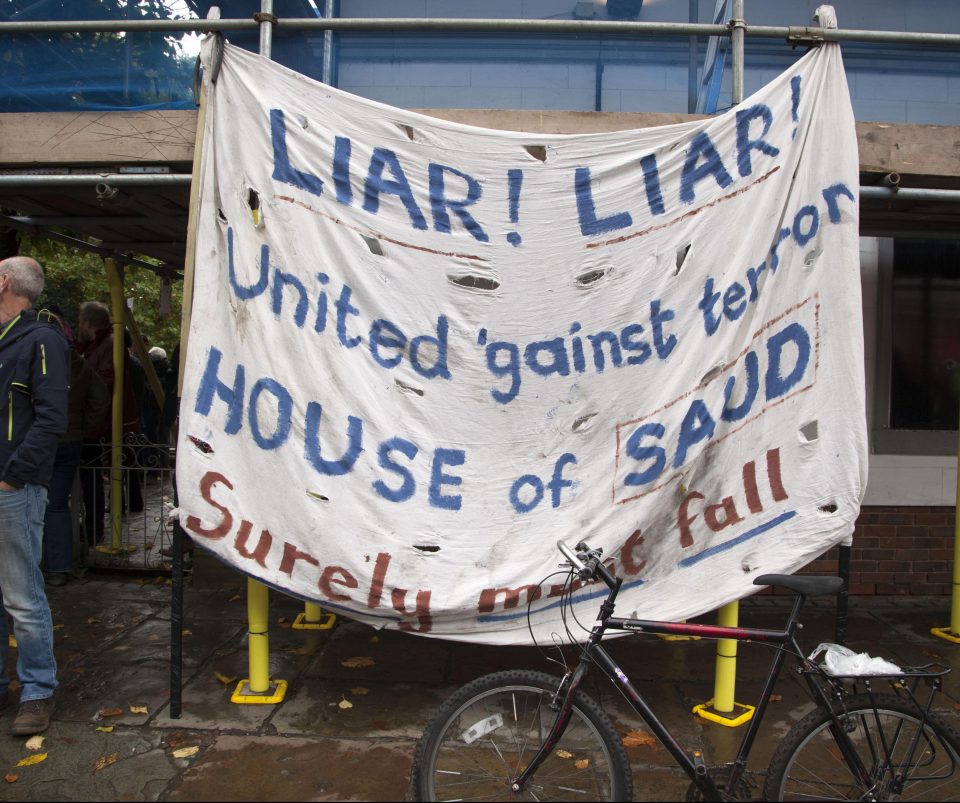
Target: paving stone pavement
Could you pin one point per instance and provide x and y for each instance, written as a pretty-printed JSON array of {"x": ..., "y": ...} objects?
[{"x": 113, "y": 738}]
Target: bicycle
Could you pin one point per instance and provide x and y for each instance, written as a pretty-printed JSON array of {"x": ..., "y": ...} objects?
[{"x": 527, "y": 735}]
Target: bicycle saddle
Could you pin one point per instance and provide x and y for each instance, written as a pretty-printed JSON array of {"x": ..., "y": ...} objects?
[{"x": 808, "y": 585}]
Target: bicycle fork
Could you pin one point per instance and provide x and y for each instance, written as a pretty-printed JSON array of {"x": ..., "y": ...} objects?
[{"x": 565, "y": 695}]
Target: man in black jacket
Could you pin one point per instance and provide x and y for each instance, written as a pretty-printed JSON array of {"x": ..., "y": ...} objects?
[{"x": 34, "y": 377}]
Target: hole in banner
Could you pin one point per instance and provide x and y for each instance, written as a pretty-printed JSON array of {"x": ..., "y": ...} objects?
[
  {"x": 253, "y": 201},
  {"x": 682, "y": 256},
  {"x": 485, "y": 284},
  {"x": 408, "y": 130},
  {"x": 373, "y": 244},
  {"x": 538, "y": 152},
  {"x": 712, "y": 374},
  {"x": 201, "y": 445},
  {"x": 591, "y": 277},
  {"x": 408, "y": 388},
  {"x": 809, "y": 432},
  {"x": 582, "y": 423},
  {"x": 830, "y": 507},
  {"x": 812, "y": 257},
  {"x": 427, "y": 547}
]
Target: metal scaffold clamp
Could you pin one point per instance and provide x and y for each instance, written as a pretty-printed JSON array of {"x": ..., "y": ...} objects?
[{"x": 810, "y": 37}]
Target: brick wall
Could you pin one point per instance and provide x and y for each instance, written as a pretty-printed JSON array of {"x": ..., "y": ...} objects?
[{"x": 898, "y": 551}]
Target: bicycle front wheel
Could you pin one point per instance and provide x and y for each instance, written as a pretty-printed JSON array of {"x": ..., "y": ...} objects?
[
  {"x": 904, "y": 760},
  {"x": 487, "y": 732}
]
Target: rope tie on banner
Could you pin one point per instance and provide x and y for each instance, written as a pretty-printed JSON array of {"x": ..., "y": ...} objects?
[{"x": 215, "y": 63}]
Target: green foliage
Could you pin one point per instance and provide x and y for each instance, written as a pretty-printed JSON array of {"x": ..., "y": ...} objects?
[{"x": 74, "y": 276}]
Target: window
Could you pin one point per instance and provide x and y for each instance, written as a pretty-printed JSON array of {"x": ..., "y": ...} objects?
[{"x": 918, "y": 399}]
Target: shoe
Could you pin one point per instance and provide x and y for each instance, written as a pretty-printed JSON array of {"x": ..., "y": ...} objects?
[
  {"x": 57, "y": 579},
  {"x": 33, "y": 717}
]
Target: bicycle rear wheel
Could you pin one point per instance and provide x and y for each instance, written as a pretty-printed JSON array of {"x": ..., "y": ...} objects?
[
  {"x": 491, "y": 728},
  {"x": 905, "y": 761}
]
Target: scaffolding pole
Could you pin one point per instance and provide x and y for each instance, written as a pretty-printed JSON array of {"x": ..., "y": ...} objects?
[{"x": 793, "y": 35}]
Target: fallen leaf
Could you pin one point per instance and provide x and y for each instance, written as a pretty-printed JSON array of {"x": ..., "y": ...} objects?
[
  {"x": 34, "y": 742},
  {"x": 176, "y": 740},
  {"x": 138, "y": 709},
  {"x": 110, "y": 712},
  {"x": 223, "y": 678},
  {"x": 105, "y": 728},
  {"x": 281, "y": 620},
  {"x": 14, "y": 685},
  {"x": 186, "y": 632},
  {"x": 357, "y": 663},
  {"x": 29, "y": 761},
  {"x": 235, "y": 598},
  {"x": 11, "y": 641},
  {"x": 9, "y": 778},
  {"x": 105, "y": 761},
  {"x": 564, "y": 754},
  {"x": 186, "y": 752},
  {"x": 345, "y": 704},
  {"x": 153, "y": 637},
  {"x": 776, "y": 698},
  {"x": 93, "y": 621},
  {"x": 639, "y": 739},
  {"x": 359, "y": 691},
  {"x": 582, "y": 764}
]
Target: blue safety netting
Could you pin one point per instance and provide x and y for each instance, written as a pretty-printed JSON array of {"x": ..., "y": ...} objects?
[{"x": 44, "y": 71}]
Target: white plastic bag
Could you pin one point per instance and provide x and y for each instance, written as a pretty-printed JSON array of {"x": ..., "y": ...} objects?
[{"x": 839, "y": 660}]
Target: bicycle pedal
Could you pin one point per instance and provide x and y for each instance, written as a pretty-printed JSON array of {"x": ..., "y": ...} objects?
[{"x": 698, "y": 763}]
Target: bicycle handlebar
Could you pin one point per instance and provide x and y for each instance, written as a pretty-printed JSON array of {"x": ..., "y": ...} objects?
[{"x": 586, "y": 563}]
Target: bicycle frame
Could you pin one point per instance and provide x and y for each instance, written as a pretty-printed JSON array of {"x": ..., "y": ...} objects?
[{"x": 695, "y": 767}]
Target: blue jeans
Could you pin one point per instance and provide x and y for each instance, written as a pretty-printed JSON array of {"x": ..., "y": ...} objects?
[
  {"x": 21, "y": 585},
  {"x": 58, "y": 523}
]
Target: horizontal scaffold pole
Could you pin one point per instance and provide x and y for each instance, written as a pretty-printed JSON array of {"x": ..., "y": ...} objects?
[{"x": 792, "y": 34}]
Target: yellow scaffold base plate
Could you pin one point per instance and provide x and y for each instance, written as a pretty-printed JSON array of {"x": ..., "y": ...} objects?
[
  {"x": 243, "y": 696},
  {"x": 123, "y": 549},
  {"x": 946, "y": 633},
  {"x": 729, "y": 720},
  {"x": 326, "y": 622}
]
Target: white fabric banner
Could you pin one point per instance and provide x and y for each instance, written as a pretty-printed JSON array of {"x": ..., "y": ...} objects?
[{"x": 423, "y": 352}]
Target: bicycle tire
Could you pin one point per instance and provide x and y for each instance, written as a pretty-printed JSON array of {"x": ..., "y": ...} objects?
[
  {"x": 808, "y": 764},
  {"x": 483, "y": 733}
]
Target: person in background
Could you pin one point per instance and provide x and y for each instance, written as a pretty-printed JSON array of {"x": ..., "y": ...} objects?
[
  {"x": 157, "y": 435},
  {"x": 95, "y": 344},
  {"x": 34, "y": 375},
  {"x": 87, "y": 403}
]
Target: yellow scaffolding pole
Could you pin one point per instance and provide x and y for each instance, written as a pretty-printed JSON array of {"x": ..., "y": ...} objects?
[
  {"x": 952, "y": 633},
  {"x": 723, "y": 709},
  {"x": 116, "y": 429},
  {"x": 258, "y": 688}
]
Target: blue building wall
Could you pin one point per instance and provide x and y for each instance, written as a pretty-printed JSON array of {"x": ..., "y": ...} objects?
[{"x": 889, "y": 83}]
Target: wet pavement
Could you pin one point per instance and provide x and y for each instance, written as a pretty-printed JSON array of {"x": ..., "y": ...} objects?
[{"x": 346, "y": 729}]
